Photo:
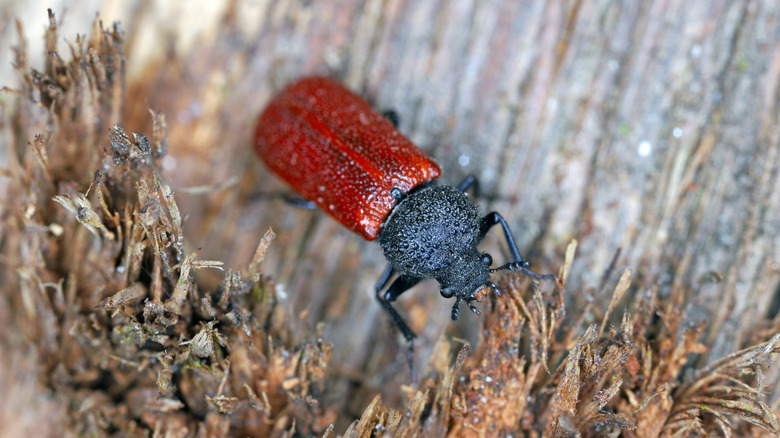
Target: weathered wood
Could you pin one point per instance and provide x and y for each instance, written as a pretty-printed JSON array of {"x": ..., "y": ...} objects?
[{"x": 651, "y": 128}]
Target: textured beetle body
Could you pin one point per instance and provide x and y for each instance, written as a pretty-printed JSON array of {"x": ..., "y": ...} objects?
[
  {"x": 433, "y": 233},
  {"x": 336, "y": 150}
]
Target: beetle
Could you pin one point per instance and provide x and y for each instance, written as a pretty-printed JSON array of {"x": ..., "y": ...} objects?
[{"x": 341, "y": 154}]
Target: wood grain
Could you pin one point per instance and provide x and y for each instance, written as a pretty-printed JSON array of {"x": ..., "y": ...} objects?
[
  {"x": 650, "y": 128},
  {"x": 646, "y": 127}
]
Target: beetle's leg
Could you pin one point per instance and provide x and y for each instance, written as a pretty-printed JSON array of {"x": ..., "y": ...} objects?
[
  {"x": 517, "y": 263},
  {"x": 392, "y": 117},
  {"x": 494, "y": 218},
  {"x": 399, "y": 286},
  {"x": 382, "y": 282},
  {"x": 470, "y": 181},
  {"x": 296, "y": 202},
  {"x": 288, "y": 198}
]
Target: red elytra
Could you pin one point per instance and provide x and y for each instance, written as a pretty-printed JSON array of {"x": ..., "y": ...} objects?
[{"x": 336, "y": 150}]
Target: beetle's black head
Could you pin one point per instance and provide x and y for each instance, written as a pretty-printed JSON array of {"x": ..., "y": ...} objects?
[
  {"x": 468, "y": 280},
  {"x": 434, "y": 232}
]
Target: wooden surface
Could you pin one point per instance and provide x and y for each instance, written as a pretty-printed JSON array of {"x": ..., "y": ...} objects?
[{"x": 647, "y": 128}]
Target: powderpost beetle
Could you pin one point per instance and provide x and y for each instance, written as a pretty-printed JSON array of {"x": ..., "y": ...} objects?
[{"x": 337, "y": 151}]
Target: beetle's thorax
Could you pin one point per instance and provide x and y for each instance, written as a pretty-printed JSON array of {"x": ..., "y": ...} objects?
[{"x": 433, "y": 232}]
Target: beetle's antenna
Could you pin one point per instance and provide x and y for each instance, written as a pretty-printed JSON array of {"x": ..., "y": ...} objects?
[{"x": 521, "y": 266}]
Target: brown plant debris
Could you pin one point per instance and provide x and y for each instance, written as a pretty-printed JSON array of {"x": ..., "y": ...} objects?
[
  {"x": 108, "y": 289},
  {"x": 100, "y": 280}
]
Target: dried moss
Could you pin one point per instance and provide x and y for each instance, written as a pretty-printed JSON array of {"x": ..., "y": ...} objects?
[
  {"x": 129, "y": 341},
  {"x": 627, "y": 380}
]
